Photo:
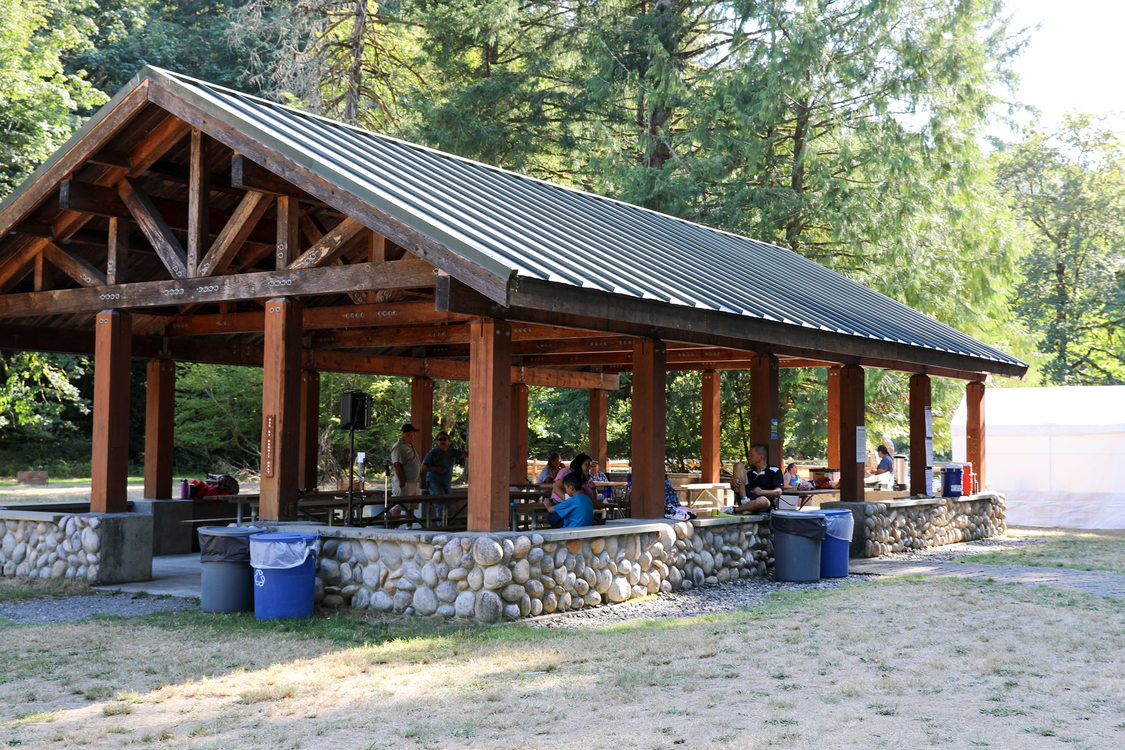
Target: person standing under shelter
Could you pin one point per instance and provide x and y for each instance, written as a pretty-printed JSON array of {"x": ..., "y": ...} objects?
[
  {"x": 762, "y": 488},
  {"x": 407, "y": 467},
  {"x": 438, "y": 465},
  {"x": 883, "y": 476}
]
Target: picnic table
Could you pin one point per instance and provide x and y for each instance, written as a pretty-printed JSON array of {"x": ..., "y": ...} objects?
[{"x": 803, "y": 496}]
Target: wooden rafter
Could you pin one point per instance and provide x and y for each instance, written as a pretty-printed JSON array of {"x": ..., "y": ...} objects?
[
  {"x": 154, "y": 227},
  {"x": 329, "y": 246},
  {"x": 242, "y": 222},
  {"x": 199, "y": 197},
  {"x": 313, "y": 318},
  {"x": 74, "y": 267}
]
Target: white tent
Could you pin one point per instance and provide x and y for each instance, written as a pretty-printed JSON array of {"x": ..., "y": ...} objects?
[{"x": 1057, "y": 454}]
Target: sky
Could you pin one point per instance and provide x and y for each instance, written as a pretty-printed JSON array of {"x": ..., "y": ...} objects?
[{"x": 1074, "y": 61}]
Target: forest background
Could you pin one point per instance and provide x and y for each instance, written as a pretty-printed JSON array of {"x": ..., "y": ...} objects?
[{"x": 850, "y": 131}]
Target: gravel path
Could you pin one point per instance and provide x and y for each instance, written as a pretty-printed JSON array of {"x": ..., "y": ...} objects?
[
  {"x": 751, "y": 591},
  {"x": 71, "y": 608},
  {"x": 704, "y": 600}
]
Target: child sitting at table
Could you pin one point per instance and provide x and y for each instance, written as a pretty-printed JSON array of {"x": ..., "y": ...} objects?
[{"x": 576, "y": 510}]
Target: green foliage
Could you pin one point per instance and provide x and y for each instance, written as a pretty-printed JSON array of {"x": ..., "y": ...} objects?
[
  {"x": 39, "y": 100},
  {"x": 40, "y": 396},
  {"x": 1068, "y": 187},
  {"x": 219, "y": 414}
]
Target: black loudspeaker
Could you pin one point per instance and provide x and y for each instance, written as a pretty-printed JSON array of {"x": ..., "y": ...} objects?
[{"x": 355, "y": 410}]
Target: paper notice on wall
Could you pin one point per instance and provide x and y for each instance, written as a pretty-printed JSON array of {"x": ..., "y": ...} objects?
[
  {"x": 929, "y": 451},
  {"x": 861, "y": 445},
  {"x": 929, "y": 421}
]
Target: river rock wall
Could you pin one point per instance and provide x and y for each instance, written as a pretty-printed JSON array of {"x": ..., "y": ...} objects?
[
  {"x": 67, "y": 548},
  {"x": 903, "y": 525},
  {"x": 492, "y": 577}
]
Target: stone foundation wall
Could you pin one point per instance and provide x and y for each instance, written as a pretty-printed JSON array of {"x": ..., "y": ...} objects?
[
  {"x": 901, "y": 525},
  {"x": 69, "y": 547},
  {"x": 492, "y": 577},
  {"x": 98, "y": 548}
]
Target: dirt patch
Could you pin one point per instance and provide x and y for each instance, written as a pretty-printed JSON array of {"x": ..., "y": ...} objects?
[{"x": 898, "y": 664}]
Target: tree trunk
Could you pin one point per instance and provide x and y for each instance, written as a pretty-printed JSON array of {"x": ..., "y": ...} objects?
[{"x": 355, "y": 71}]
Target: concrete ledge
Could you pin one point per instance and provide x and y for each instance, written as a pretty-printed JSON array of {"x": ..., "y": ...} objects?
[
  {"x": 8, "y": 514},
  {"x": 612, "y": 528},
  {"x": 705, "y": 521}
]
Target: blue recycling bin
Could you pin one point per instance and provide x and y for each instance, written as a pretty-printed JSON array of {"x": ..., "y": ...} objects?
[
  {"x": 284, "y": 574},
  {"x": 837, "y": 542}
]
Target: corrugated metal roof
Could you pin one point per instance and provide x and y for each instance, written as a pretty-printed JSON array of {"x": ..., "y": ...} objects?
[{"x": 512, "y": 224}]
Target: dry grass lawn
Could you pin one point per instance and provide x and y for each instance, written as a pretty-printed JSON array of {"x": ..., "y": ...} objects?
[
  {"x": 1083, "y": 549},
  {"x": 900, "y": 663}
]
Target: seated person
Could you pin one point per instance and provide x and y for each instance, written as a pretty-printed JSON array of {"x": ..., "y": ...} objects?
[
  {"x": 547, "y": 475},
  {"x": 883, "y": 477},
  {"x": 581, "y": 466},
  {"x": 576, "y": 510},
  {"x": 792, "y": 481},
  {"x": 596, "y": 474},
  {"x": 759, "y": 492}
]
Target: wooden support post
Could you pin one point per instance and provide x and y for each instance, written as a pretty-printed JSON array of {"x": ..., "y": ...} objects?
[
  {"x": 308, "y": 450},
  {"x": 160, "y": 407},
  {"x": 921, "y": 428},
  {"x": 599, "y": 425},
  {"x": 288, "y": 231},
  {"x": 853, "y": 434},
  {"x": 765, "y": 411},
  {"x": 117, "y": 258},
  {"x": 490, "y": 418},
  {"x": 199, "y": 194},
  {"x": 281, "y": 362},
  {"x": 974, "y": 429},
  {"x": 834, "y": 417},
  {"x": 649, "y": 400},
  {"x": 518, "y": 470},
  {"x": 711, "y": 429},
  {"x": 109, "y": 462},
  {"x": 422, "y": 413}
]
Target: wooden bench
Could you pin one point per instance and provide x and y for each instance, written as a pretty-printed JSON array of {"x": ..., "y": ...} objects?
[{"x": 38, "y": 478}]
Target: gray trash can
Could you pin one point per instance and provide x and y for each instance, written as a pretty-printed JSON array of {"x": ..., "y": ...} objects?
[
  {"x": 227, "y": 580},
  {"x": 796, "y": 544}
]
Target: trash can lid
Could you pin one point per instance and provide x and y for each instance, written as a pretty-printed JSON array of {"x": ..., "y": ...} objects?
[
  {"x": 833, "y": 511},
  {"x": 226, "y": 531},
  {"x": 281, "y": 537}
]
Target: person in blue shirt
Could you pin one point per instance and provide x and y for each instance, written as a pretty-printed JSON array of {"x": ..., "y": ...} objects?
[
  {"x": 576, "y": 510},
  {"x": 792, "y": 479},
  {"x": 438, "y": 464},
  {"x": 883, "y": 476}
]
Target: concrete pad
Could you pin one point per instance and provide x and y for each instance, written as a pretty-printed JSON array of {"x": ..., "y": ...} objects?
[{"x": 172, "y": 575}]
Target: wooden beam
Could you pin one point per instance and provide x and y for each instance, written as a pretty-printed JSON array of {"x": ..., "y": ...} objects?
[
  {"x": 517, "y": 473},
  {"x": 14, "y": 267},
  {"x": 109, "y": 461},
  {"x": 234, "y": 233},
  {"x": 415, "y": 241},
  {"x": 554, "y": 303},
  {"x": 335, "y": 318},
  {"x": 288, "y": 245},
  {"x": 711, "y": 425},
  {"x": 280, "y": 411},
  {"x": 975, "y": 430},
  {"x": 648, "y": 441},
  {"x": 330, "y": 245},
  {"x": 441, "y": 336},
  {"x": 833, "y": 396},
  {"x": 853, "y": 431},
  {"x": 74, "y": 267},
  {"x": 199, "y": 198},
  {"x": 160, "y": 407},
  {"x": 451, "y": 370},
  {"x": 308, "y": 449},
  {"x": 422, "y": 412},
  {"x": 402, "y": 274},
  {"x": 599, "y": 423},
  {"x": 91, "y": 198},
  {"x": 765, "y": 412},
  {"x": 117, "y": 255},
  {"x": 247, "y": 175},
  {"x": 921, "y": 436},
  {"x": 490, "y": 416},
  {"x": 159, "y": 235}
]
